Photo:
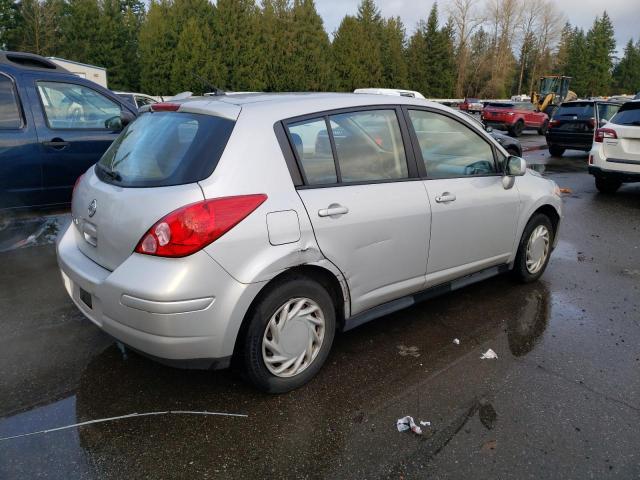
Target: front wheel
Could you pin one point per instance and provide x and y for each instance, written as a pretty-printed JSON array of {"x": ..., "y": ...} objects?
[
  {"x": 289, "y": 336},
  {"x": 605, "y": 185},
  {"x": 517, "y": 129},
  {"x": 543, "y": 128},
  {"x": 534, "y": 249}
]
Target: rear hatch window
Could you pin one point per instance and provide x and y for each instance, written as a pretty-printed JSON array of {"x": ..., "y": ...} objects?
[
  {"x": 500, "y": 105},
  {"x": 165, "y": 148},
  {"x": 629, "y": 114},
  {"x": 580, "y": 110}
]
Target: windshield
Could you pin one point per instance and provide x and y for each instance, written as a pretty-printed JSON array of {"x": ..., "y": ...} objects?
[
  {"x": 165, "y": 148},
  {"x": 629, "y": 114}
]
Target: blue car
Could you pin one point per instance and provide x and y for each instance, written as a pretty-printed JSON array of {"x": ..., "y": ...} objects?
[{"x": 53, "y": 126}]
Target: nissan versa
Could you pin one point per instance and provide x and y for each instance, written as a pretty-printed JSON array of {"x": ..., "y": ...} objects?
[{"x": 253, "y": 227}]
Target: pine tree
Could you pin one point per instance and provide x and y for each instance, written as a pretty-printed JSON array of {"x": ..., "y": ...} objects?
[
  {"x": 601, "y": 45},
  {"x": 353, "y": 57},
  {"x": 9, "y": 24},
  {"x": 577, "y": 63},
  {"x": 157, "y": 42},
  {"x": 418, "y": 72},
  {"x": 394, "y": 64},
  {"x": 562, "y": 55},
  {"x": 194, "y": 69},
  {"x": 238, "y": 38},
  {"x": 79, "y": 28},
  {"x": 37, "y": 27},
  {"x": 627, "y": 73},
  {"x": 109, "y": 52}
]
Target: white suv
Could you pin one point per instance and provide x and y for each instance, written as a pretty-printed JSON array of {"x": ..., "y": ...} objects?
[
  {"x": 255, "y": 226},
  {"x": 615, "y": 156}
]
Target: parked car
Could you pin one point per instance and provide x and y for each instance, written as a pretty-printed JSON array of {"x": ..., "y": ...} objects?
[
  {"x": 137, "y": 99},
  {"x": 471, "y": 105},
  {"x": 53, "y": 126},
  {"x": 615, "y": 156},
  {"x": 514, "y": 117},
  {"x": 213, "y": 229},
  {"x": 572, "y": 125},
  {"x": 637, "y": 97},
  {"x": 510, "y": 144}
]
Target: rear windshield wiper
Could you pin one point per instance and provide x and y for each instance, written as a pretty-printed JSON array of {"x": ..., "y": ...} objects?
[{"x": 112, "y": 174}]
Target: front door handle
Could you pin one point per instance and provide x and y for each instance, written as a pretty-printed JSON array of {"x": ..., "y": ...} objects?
[
  {"x": 446, "y": 197},
  {"x": 333, "y": 209},
  {"x": 56, "y": 143}
]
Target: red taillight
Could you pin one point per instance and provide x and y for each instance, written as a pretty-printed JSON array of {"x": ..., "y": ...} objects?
[
  {"x": 73, "y": 192},
  {"x": 165, "y": 107},
  {"x": 603, "y": 133},
  {"x": 592, "y": 122},
  {"x": 553, "y": 123},
  {"x": 590, "y": 159},
  {"x": 193, "y": 227}
]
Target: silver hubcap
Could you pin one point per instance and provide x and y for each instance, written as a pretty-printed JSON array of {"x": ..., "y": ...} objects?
[
  {"x": 293, "y": 337},
  {"x": 537, "y": 249}
]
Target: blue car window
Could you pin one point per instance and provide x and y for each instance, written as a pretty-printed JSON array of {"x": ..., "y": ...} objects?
[
  {"x": 72, "y": 106},
  {"x": 10, "y": 117}
]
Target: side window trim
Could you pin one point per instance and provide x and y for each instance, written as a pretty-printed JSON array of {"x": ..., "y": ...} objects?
[
  {"x": 18, "y": 100},
  {"x": 413, "y": 172},
  {"x": 44, "y": 110},
  {"x": 422, "y": 169}
]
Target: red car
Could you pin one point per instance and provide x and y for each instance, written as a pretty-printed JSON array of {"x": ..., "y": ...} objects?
[
  {"x": 471, "y": 105},
  {"x": 515, "y": 117}
]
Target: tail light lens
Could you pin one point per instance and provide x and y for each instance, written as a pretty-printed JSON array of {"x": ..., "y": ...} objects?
[
  {"x": 592, "y": 122},
  {"x": 193, "y": 227},
  {"x": 603, "y": 133},
  {"x": 165, "y": 107},
  {"x": 553, "y": 123}
]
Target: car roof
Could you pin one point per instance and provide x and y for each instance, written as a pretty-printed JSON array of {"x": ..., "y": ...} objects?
[
  {"x": 295, "y": 104},
  {"x": 30, "y": 62},
  {"x": 591, "y": 101}
]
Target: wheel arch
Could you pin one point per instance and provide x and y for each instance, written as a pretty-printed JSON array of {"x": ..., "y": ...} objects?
[{"x": 328, "y": 279}]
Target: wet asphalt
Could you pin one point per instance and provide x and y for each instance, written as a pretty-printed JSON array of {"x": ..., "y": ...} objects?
[{"x": 561, "y": 401}]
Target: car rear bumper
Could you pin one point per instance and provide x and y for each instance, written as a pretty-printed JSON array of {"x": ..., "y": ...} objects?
[
  {"x": 569, "y": 141},
  {"x": 145, "y": 303},
  {"x": 625, "y": 177}
]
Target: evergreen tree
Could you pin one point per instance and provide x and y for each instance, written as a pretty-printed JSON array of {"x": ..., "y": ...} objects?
[
  {"x": 37, "y": 27},
  {"x": 577, "y": 65},
  {"x": 311, "y": 49},
  {"x": 418, "y": 71},
  {"x": 110, "y": 52},
  {"x": 9, "y": 23},
  {"x": 353, "y": 58},
  {"x": 601, "y": 44},
  {"x": 240, "y": 42},
  {"x": 157, "y": 42},
  {"x": 194, "y": 68},
  {"x": 627, "y": 73},
  {"x": 562, "y": 55},
  {"x": 394, "y": 64},
  {"x": 279, "y": 36},
  {"x": 79, "y": 30}
]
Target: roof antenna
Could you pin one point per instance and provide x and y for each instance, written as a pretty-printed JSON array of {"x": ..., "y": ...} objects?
[{"x": 213, "y": 90}]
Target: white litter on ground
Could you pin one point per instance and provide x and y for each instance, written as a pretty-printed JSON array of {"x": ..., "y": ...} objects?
[
  {"x": 456, "y": 341},
  {"x": 489, "y": 354},
  {"x": 407, "y": 423},
  {"x": 122, "y": 417},
  {"x": 425, "y": 424}
]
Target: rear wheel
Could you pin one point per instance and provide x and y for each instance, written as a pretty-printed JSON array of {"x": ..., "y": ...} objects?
[
  {"x": 534, "y": 249},
  {"x": 606, "y": 185},
  {"x": 516, "y": 129},
  {"x": 543, "y": 128},
  {"x": 289, "y": 336},
  {"x": 556, "y": 151}
]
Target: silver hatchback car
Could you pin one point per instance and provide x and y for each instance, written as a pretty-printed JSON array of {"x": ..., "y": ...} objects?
[{"x": 253, "y": 227}]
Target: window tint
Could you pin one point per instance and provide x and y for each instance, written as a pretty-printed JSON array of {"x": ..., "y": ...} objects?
[
  {"x": 71, "y": 106},
  {"x": 629, "y": 114},
  {"x": 165, "y": 148},
  {"x": 577, "y": 109},
  {"x": 369, "y": 146},
  {"x": 313, "y": 148},
  {"x": 606, "y": 111},
  {"x": 10, "y": 116},
  {"x": 449, "y": 148}
]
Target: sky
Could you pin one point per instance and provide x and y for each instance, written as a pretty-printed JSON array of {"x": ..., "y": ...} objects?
[{"x": 625, "y": 14}]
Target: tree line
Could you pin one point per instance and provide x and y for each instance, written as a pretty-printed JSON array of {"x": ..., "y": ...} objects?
[{"x": 486, "y": 48}]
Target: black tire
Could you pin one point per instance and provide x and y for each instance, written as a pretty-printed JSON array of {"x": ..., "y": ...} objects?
[
  {"x": 520, "y": 266},
  {"x": 606, "y": 185},
  {"x": 260, "y": 314},
  {"x": 517, "y": 129},
  {"x": 543, "y": 129},
  {"x": 556, "y": 151}
]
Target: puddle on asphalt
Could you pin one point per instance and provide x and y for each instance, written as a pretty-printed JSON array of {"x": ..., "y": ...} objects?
[{"x": 32, "y": 231}]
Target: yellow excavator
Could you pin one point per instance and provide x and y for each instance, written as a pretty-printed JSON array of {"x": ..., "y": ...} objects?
[{"x": 552, "y": 91}]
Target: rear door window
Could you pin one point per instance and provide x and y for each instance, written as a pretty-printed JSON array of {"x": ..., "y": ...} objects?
[
  {"x": 313, "y": 149},
  {"x": 629, "y": 114},
  {"x": 10, "y": 116},
  {"x": 165, "y": 148},
  {"x": 449, "y": 148},
  {"x": 76, "y": 107},
  {"x": 369, "y": 146}
]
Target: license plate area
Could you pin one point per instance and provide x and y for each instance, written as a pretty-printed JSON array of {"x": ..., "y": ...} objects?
[{"x": 85, "y": 297}]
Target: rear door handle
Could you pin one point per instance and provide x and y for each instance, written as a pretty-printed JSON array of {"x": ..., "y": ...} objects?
[
  {"x": 56, "y": 143},
  {"x": 333, "y": 209},
  {"x": 446, "y": 197}
]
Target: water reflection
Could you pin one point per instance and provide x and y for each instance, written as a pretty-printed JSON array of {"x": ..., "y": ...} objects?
[{"x": 529, "y": 320}]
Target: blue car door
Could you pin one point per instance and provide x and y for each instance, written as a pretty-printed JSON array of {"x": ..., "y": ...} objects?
[
  {"x": 75, "y": 123},
  {"x": 20, "y": 165}
]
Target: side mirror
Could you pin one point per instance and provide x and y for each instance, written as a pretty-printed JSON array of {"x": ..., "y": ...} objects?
[
  {"x": 119, "y": 122},
  {"x": 126, "y": 117},
  {"x": 488, "y": 129},
  {"x": 514, "y": 167}
]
